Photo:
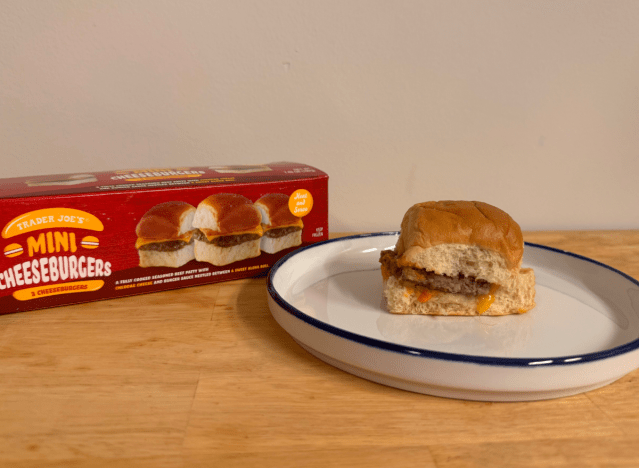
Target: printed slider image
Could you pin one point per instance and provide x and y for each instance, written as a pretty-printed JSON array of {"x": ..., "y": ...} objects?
[
  {"x": 165, "y": 235},
  {"x": 282, "y": 229},
  {"x": 229, "y": 227}
]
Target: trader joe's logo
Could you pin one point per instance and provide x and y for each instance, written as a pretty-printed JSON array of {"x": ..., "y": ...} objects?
[{"x": 47, "y": 249}]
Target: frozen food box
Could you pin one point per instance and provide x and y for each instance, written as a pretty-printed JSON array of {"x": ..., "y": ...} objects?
[{"x": 84, "y": 237}]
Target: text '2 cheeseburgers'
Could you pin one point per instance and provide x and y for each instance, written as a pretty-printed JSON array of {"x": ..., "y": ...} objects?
[{"x": 457, "y": 258}]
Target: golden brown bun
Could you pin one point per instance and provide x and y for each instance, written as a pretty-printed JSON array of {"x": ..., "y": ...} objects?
[
  {"x": 479, "y": 224},
  {"x": 166, "y": 221},
  {"x": 276, "y": 212},
  {"x": 226, "y": 213}
]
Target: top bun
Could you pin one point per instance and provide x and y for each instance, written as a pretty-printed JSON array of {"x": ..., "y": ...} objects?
[
  {"x": 166, "y": 221},
  {"x": 461, "y": 237},
  {"x": 276, "y": 212},
  {"x": 226, "y": 213}
]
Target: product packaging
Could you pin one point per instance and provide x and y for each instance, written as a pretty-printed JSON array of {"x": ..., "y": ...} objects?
[{"x": 84, "y": 237}]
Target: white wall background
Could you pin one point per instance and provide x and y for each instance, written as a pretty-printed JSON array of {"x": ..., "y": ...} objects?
[{"x": 529, "y": 105}]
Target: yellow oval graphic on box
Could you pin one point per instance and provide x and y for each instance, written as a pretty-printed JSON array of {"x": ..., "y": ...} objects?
[
  {"x": 13, "y": 250},
  {"x": 51, "y": 218},
  {"x": 90, "y": 242},
  {"x": 56, "y": 289}
]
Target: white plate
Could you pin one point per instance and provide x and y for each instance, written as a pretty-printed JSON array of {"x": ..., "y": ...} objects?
[{"x": 583, "y": 333}]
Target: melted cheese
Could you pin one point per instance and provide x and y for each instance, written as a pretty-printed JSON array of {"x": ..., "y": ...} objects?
[
  {"x": 484, "y": 301},
  {"x": 186, "y": 237},
  {"x": 210, "y": 235},
  {"x": 427, "y": 294},
  {"x": 408, "y": 292}
]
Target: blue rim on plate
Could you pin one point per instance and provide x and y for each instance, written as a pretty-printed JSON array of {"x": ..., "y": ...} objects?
[{"x": 418, "y": 352}]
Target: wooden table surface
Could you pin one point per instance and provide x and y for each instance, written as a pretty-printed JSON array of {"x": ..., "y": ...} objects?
[{"x": 206, "y": 377}]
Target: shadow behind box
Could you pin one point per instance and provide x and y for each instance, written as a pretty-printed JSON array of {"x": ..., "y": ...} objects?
[{"x": 72, "y": 238}]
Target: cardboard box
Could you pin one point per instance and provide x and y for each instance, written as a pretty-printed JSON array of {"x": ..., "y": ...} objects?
[{"x": 80, "y": 237}]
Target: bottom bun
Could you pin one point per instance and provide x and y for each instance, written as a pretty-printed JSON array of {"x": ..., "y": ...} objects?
[
  {"x": 275, "y": 244},
  {"x": 220, "y": 256},
  {"x": 517, "y": 298},
  {"x": 177, "y": 258}
]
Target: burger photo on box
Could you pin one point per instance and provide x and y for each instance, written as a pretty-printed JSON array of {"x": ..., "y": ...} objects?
[
  {"x": 165, "y": 235},
  {"x": 229, "y": 229},
  {"x": 457, "y": 258},
  {"x": 282, "y": 229}
]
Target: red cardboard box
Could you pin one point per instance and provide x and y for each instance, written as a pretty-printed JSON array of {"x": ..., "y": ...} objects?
[{"x": 81, "y": 237}]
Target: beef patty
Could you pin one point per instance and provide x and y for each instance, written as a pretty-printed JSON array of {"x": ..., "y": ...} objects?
[
  {"x": 281, "y": 232},
  {"x": 461, "y": 284},
  {"x": 227, "y": 241},
  {"x": 167, "y": 246}
]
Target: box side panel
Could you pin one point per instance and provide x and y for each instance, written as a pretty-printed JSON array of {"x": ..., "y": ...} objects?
[{"x": 153, "y": 178}]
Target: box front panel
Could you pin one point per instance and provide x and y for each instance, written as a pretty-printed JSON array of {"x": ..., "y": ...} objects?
[{"x": 76, "y": 248}]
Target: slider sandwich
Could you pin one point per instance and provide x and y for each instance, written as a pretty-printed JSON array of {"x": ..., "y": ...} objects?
[
  {"x": 282, "y": 229},
  {"x": 165, "y": 235},
  {"x": 457, "y": 258},
  {"x": 229, "y": 228}
]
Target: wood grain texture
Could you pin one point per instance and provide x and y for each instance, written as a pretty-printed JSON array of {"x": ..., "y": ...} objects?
[{"x": 205, "y": 377}]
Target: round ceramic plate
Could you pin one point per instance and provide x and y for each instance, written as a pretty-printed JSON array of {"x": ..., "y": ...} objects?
[{"x": 583, "y": 333}]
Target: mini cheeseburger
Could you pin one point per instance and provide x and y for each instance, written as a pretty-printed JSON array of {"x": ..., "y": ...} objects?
[
  {"x": 457, "y": 258},
  {"x": 229, "y": 227},
  {"x": 165, "y": 235},
  {"x": 282, "y": 229}
]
